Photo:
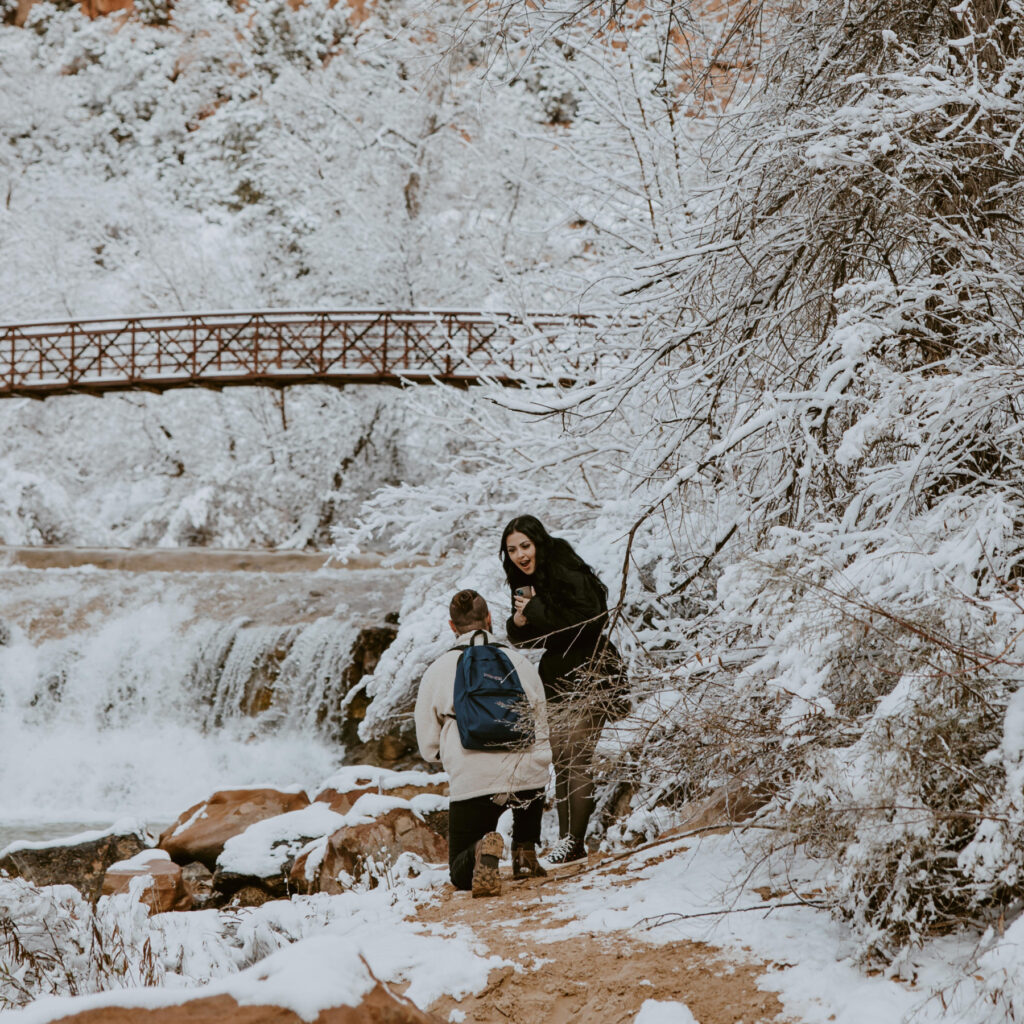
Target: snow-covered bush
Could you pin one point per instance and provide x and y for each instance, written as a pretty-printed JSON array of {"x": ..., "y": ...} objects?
[
  {"x": 843, "y": 334},
  {"x": 52, "y": 942},
  {"x": 810, "y": 468},
  {"x": 882, "y": 703}
]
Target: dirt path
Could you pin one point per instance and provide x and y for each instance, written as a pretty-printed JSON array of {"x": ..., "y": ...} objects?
[{"x": 601, "y": 978}]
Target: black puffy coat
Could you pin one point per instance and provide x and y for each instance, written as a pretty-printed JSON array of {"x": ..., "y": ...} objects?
[{"x": 566, "y": 616}]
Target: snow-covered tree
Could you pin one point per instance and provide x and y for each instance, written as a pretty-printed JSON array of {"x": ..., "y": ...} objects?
[
  {"x": 815, "y": 448},
  {"x": 841, "y": 336}
]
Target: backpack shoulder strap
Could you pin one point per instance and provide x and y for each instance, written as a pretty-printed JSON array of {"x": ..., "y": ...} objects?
[{"x": 472, "y": 642}]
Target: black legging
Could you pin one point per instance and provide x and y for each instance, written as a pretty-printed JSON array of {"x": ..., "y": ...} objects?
[
  {"x": 574, "y": 735},
  {"x": 470, "y": 820}
]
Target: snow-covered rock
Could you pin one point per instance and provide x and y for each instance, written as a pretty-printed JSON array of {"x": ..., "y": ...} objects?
[
  {"x": 264, "y": 853},
  {"x": 201, "y": 832},
  {"x": 309, "y": 850},
  {"x": 341, "y": 791},
  {"x": 80, "y": 860},
  {"x": 198, "y": 880},
  {"x": 160, "y": 884},
  {"x": 368, "y": 847},
  {"x": 736, "y": 801}
]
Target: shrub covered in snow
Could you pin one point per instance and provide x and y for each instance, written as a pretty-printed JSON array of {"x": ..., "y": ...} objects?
[
  {"x": 842, "y": 340},
  {"x": 811, "y": 470}
]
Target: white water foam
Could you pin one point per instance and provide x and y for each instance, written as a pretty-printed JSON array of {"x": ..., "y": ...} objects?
[{"x": 143, "y": 700}]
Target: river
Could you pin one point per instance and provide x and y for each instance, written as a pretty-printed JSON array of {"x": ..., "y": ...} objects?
[{"x": 135, "y": 683}]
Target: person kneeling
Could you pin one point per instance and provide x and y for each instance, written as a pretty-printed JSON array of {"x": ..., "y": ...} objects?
[{"x": 480, "y": 712}]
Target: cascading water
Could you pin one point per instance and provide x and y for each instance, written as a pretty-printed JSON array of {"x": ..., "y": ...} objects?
[{"x": 139, "y": 693}]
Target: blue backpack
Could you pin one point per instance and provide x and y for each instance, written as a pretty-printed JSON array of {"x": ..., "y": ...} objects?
[{"x": 490, "y": 702}]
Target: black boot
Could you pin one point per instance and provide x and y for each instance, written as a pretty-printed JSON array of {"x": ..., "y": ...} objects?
[{"x": 568, "y": 850}]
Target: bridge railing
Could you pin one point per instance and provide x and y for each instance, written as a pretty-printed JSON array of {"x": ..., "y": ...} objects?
[{"x": 294, "y": 346}]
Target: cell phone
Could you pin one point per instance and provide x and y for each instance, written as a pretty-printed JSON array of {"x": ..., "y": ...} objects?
[{"x": 524, "y": 591}]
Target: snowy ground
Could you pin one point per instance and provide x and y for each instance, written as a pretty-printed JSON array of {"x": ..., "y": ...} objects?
[{"x": 687, "y": 920}]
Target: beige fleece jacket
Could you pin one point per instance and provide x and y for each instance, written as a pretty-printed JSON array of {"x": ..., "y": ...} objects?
[{"x": 479, "y": 772}]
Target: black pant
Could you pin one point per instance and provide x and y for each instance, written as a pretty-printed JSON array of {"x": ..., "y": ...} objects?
[{"x": 470, "y": 820}]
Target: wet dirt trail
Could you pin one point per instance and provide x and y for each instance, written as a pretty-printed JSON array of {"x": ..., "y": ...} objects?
[{"x": 599, "y": 977}]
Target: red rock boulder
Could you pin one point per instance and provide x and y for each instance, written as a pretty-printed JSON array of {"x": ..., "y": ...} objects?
[
  {"x": 408, "y": 792},
  {"x": 98, "y": 8},
  {"x": 324, "y": 978},
  {"x": 201, "y": 832},
  {"x": 379, "y": 1006},
  {"x": 163, "y": 888},
  {"x": 263, "y": 855},
  {"x": 346, "y": 786},
  {"x": 724, "y": 807},
  {"x": 342, "y": 802},
  {"x": 366, "y": 849},
  {"x": 198, "y": 881}
]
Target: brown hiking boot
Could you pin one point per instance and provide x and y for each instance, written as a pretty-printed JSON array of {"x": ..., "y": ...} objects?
[
  {"x": 525, "y": 863},
  {"x": 486, "y": 880}
]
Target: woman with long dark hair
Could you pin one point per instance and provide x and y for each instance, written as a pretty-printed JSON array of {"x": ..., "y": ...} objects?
[{"x": 560, "y": 604}]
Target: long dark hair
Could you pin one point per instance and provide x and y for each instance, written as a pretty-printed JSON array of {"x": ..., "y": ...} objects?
[{"x": 553, "y": 553}]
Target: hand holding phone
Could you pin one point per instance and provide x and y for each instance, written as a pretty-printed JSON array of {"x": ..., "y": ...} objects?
[{"x": 522, "y": 597}]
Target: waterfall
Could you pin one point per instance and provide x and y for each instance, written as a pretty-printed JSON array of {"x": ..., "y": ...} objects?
[{"x": 139, "y": 694}]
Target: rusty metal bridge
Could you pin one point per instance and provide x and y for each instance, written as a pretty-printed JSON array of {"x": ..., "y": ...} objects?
[{"x": 282, "y": 348}]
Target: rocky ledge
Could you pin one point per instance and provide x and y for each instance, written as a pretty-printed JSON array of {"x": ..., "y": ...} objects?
[{"x": 243, "y": 847}]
